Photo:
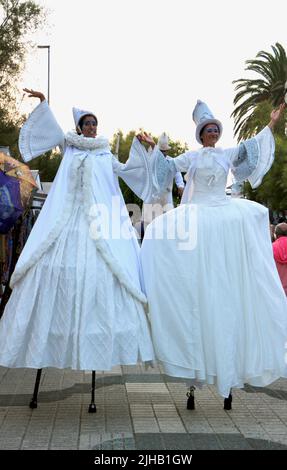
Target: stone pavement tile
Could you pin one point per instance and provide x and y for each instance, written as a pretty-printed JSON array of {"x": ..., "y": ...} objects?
[
  {"x": 84, "y": 441},
  {"x": 149, "y": 441},
  {"x": 3, "y": 372},
  {"x": 171, "y": 425},
  {"x": 145, "y": 425},
  {"x": 119, "y": 427},
  {"x": 107, "y": 441},
  {"x": 198, "y": 429},
  {"x": 33, "y": 446},
  {"x": 246, "y": 430},
  {"x": 265, "y": 444},
  {"x": 165, "y": 410},
  {"x": 161, "y": 398},
  {"x": 67, "y": 440},
  {"x": 222, "y": 425},
  {"x": 118, "y": 408},
  {"x": 196, "y": 424},
  {"x": 3, "y": 413},
  {"x": 279, "y": 438},
  {"x": 11, "y": 443},
  {"x": 178, "y": 441},
  {"x": 205, "y": 442},
  {"x": 36, "y": 440},
  {"x": 276, "y": 428},
  {"x": 152, "y": 388},
  {"x": 141, "y": 411},
  {"x": 139, "y": 398},
  {"x": 233, "y": 442}
]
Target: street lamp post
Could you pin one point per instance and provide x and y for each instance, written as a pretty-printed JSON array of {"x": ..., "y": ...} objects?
[{"x": 48, "y": 48}]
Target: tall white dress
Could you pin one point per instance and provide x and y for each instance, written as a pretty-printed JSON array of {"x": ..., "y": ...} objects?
[
  {"x": 218, "y": 309},
  {"x": 77, "y": 297}
]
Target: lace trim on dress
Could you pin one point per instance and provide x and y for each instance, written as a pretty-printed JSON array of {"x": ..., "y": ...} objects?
[
  {"x": 102, "y": 245},
  {"x": 86, "y": 143},
  {"x": 247, "y": 160}
]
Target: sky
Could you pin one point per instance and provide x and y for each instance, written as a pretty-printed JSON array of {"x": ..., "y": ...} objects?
[{"x": 143, "y": 64}]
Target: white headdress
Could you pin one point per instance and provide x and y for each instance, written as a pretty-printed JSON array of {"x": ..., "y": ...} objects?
[
  {"x": 202, "y": 116},
  {"x": 79, "y": 113},
  {"x": 163, "y": 142}
]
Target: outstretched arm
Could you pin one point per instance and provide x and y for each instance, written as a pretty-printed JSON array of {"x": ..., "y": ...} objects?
[
  {"x": 254, "y": 157},
  {"x": 35, "y": 94},
  {"x": 41, "y": 132},
  {"x": 276, "y": 115},
  {"x": 144, "y": 137}
]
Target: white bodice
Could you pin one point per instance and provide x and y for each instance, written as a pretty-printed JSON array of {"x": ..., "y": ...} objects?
[{"x": 209, "y": 180}]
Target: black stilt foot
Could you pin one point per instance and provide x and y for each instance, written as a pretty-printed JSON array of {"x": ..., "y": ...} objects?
[
  {"x": 33, "y": 403},
  {"x": 92, "y": 407},
  {"x": 227, "y": 403},
  {"x": 190, "y": 399}
]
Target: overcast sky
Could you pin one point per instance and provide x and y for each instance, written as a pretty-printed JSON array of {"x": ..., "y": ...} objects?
[{"x": 143, "y": 64}]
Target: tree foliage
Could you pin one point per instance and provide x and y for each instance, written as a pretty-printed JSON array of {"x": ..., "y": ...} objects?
[
  {"x": 17, "y": 19},
  {"x": 273, "y": 190},
  {"x": 268, "y": 86},
  {"x": 47, "y": 165}
]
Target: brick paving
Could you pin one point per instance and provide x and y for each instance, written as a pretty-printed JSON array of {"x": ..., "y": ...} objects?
[{"x": 136, "y": 409}]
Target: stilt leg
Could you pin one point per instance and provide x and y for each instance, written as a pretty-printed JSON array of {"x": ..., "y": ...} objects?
[
  {"x": 33, "y": 403},
  {"x": 92, "y": 406},
  {"x": 227, "y": 402},
  {"x": 190, "y": 399}
]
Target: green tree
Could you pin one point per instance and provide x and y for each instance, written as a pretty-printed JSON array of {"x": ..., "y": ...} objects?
[
  {"x": 18, "y": 19},
  {"x": 273, "y": 190},
  {"x": 268, "y": 86},
  {"x": 47, "y": 165}
]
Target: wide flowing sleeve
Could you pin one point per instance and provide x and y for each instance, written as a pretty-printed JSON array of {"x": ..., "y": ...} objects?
[
  {"x": 145, "y": 173},
  {"x": 40, "y": 133},
  {"x": 253, "y": 158}
]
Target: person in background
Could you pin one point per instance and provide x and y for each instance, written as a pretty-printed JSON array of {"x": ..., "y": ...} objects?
[
  {"x": 280, "y": 252},
  {"x": 159, "y": 205}
]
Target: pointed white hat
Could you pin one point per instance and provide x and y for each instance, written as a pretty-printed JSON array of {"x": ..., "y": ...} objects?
[
  {"x": 163, "y": 142},
  {"x": 202, "y": 116},
  {"x": 79, "y": 113}
]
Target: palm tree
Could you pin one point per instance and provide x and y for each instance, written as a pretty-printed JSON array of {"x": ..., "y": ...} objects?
[{"x": 270, "y": 87}]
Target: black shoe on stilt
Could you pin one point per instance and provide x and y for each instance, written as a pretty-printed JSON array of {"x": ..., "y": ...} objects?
[
  {"x": 227, "y": 403},
  {"x": 190, "y": 399}
]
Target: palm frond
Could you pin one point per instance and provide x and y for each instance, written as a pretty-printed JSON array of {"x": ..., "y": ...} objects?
[{"x": 269, "y": 86}]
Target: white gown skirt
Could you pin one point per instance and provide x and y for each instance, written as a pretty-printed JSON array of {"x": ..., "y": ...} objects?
[
  {"x": 69, "y": 310},
  {"x": 218, "y": 311}
]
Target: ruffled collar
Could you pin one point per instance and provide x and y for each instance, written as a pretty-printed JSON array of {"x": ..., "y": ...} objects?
[
  {"x": 86, "y": 143},
  {"x": 210, "y": 150}
]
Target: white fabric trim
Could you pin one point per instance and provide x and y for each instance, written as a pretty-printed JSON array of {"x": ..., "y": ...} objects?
[
  {"x": 55, "y": 232},
  {"x": 86, "y": 143},
  {"x": 266, "y": 145},
  {"x": 40, "y": 133},
  {"x": 103, "y": 246},
  {"x": 79, "y": 160}
]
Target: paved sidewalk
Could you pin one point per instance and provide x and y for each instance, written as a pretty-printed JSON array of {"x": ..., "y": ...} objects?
[{"x": 136, "y": 409}]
